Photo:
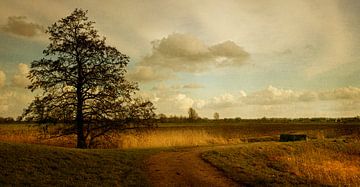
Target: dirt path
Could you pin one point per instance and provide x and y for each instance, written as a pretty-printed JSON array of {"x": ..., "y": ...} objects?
[{"x": 185, "y": 168}]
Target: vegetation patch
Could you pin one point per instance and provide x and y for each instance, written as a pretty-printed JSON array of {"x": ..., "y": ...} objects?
[
  {"x": 300, "y": 163},
  {"x": 37, "y": 165},
  {"x": 185, "y": 134}
]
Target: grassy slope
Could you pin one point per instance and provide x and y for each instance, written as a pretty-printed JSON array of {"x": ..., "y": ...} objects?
[
  {"x": 300, "y": 163},
  {"x": 36, "y": 165}
]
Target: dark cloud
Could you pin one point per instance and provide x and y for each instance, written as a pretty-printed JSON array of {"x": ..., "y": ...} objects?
[
  {"x": 231, "y": 51},
  {"x": 193, "y": 86},
  {"x": 186, "y": 53},
  {"x": 18, "y": 25},
  {"x": 147, "y": 74}
]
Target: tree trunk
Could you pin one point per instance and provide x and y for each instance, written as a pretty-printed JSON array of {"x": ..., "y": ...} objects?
[{"x": 81, "y": 143}]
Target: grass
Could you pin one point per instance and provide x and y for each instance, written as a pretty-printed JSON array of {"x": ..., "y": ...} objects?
[
  {"x": 38, "y": 165},
  {"x": 186, "y": 134},
  {"x": 319, "y": 161},
  {"x": 300, "y": 163}
]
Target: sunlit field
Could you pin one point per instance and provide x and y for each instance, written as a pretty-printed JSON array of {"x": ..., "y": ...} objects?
[
  {"x": 316, "y": 162},
  {"x": 186, "y": 134},
  {"x": 330, "y": 156},
  {"x": 180, "y": 93}
]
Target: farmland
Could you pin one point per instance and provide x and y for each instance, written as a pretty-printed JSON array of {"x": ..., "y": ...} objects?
[
  {"x": 38, "y": 165},
  {"x": 237, "y": 150},
  {"x": 300, "y": 163},
  {"x": 180, "y": 93},
  {"x": 187, "y": 134}
]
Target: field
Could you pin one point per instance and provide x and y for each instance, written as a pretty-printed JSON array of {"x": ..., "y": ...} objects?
[
  {"x": 186, "y": 134},
  {"x": 247, "y": 153},
  {"x": 317, "y": 163},
  {"x": 38, "y": 165}
]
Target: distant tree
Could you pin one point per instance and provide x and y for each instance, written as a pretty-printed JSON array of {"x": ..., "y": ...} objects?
[
  {"x": 83, "y": 84},
  {"x": 216, "y": 116},
  {"x": 161, "y": 118},
  {"x": 192, "y": 114},
  {"x": 7, "y": 120}
]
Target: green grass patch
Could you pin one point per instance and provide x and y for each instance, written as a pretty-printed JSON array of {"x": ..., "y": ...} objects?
[
  {"x": 37, "y": 165},
  {"x": 299, "y": 163}
]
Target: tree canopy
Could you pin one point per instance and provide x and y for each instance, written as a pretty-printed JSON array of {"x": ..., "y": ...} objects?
[
  {"x": 193, "y": 114},
  {"x": 82, "y": 83},
  {"x": 216, "y": 116}
]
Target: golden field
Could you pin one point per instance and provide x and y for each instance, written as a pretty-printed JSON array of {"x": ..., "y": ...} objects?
[{"x": 184, "y": 134}]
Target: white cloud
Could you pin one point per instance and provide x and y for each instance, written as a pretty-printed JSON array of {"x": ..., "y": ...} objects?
[
  {"x": 223, "y": 101},
  {"x": 148, "y": 96},
  {"x": 12, "y": 102},
  {"x": 2, "y": 79},
  {"x": 270, "y": 102},
  {"x": 20, "y": 79},
  {"x": 271, "y": 95},
  {"x": 182, "y": 101}
]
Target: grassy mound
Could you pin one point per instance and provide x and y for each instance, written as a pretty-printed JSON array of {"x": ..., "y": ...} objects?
[
  {"x": 36, "y": 165},
  {"x": 301, "y": 163}
]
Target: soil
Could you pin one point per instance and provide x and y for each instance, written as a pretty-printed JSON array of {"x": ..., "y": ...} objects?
[{"x": 185, "y": 167}]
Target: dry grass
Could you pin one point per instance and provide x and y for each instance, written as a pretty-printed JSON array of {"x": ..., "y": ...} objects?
[
  {"x": 334, "y": 163},
  {"x": 326, "y": 165},
  {"x": 186, "y": 135},
  {"x": 129, "y": 139},
  {"x": 20, "y": 133},
  {"x": 182, "y": 137}
]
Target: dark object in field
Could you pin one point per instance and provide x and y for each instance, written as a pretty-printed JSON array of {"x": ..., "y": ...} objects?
[{"x": 292, "y": 137}]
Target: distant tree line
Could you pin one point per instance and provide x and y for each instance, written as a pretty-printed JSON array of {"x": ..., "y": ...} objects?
[
  {"x": 195, "y": 118},
  {"x": 162, "y": 118},
  {"x": 7, "y": 120}
]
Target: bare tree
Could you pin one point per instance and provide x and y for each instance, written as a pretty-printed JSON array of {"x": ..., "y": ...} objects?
[
  {"x": 192, "y": 114},
  {"x": 83, "y": 84},
  {"x": 216, "y": 116}
]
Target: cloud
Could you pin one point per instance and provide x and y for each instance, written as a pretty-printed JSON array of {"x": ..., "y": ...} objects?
[
  {"x": 270, "y": 101},
  {"x": 278, "y": 96},
  {"x": 226, "y": 100},
  {"x": 147, "y": 74},
  {"x": 2, "y": 79},
  {"x": 18, "y": 25},
  {"x": 148, "y": 96},
  {"x": 347, "y": 93},
  {"x": 230, "y": 51},
  {"x": 274, "y": 96},
  {"x": 186, "y": 53},
  {"x": 308, "y": 96},
  {"x": 223, "y": 101},
  {"x": 271, "y": 95},
  {"x": 182, "y": 101},
  {"x": 20, "y": 79},
  {"x": 193, "y": 86},
  {"x": 172, "y": 99},
  {"x": 13, "y": 101}
]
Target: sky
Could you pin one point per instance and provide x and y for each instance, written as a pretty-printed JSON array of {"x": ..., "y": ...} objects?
[{"x": 240, "y": 58}]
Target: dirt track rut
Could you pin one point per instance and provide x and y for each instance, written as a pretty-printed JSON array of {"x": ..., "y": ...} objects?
[{"x": 184, "y": 168}]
